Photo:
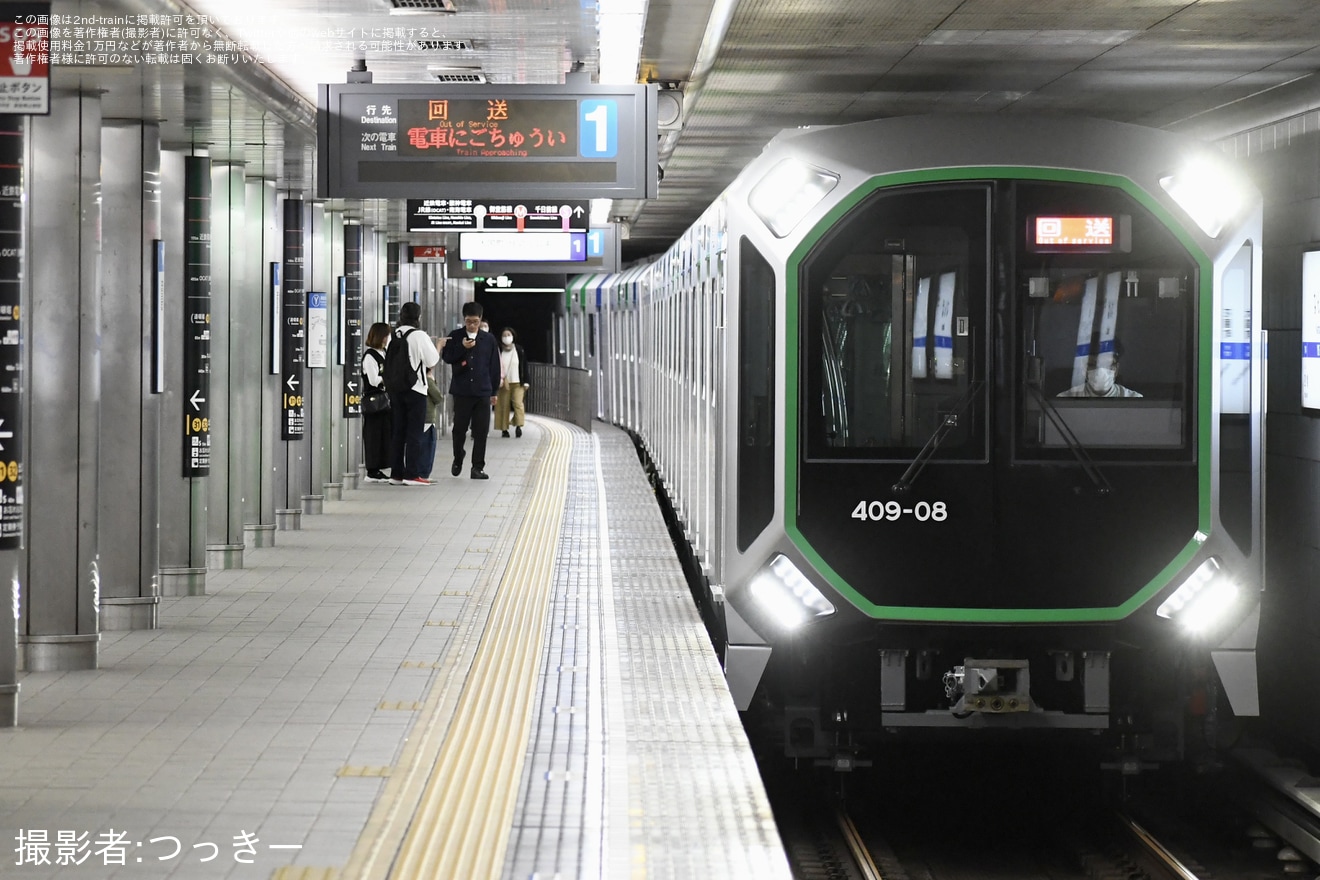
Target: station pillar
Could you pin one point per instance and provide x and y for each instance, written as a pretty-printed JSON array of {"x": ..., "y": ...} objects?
[
  {"x": 130, "y": 357},
  {"x": 60, "y": 627}
]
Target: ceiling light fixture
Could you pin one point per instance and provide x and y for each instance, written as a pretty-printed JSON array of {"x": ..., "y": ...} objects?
[
  {"x": 422, "y": 7},
  {"x": 473, "y": 75},
  {"x": 621, "y": 26}
]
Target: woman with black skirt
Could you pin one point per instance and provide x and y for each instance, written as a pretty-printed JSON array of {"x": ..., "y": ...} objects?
[{"x": 377, "y": 426}]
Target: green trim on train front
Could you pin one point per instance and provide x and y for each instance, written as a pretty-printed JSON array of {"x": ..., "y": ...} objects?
[{"x": 1204, "y": 359}]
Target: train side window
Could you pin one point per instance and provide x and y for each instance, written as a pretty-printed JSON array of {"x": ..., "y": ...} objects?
[{"x": 756, "y": 394}]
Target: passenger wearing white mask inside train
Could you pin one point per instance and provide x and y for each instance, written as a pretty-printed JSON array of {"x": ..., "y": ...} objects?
[{"x": 1101, "y": 379}]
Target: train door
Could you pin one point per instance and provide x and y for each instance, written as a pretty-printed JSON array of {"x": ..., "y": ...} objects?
[{"x": 1104, "y": 302}]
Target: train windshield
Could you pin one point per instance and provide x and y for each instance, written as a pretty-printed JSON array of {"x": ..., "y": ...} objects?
[
  {"x": 1106, "y": 322},
  {"x": 893, "y": 310}
]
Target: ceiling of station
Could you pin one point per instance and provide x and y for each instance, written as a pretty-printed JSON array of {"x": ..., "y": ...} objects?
[{"x": 748, "y": 69}]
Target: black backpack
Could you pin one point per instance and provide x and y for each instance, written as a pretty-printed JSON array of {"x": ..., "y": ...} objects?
[{"x": 399, "y": 372}]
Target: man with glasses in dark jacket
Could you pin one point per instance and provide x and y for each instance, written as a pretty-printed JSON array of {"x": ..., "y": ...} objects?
[{"x": 475, "y": 358}]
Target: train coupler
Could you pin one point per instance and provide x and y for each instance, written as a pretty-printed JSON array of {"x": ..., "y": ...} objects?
[{"x": 993, "y": 686}]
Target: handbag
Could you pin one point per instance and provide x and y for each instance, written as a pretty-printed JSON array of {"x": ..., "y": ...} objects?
[{"x": 378, "y": 402}]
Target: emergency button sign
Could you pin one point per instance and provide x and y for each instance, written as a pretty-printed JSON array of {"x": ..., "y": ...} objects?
[{"x": 25, "y": 59}]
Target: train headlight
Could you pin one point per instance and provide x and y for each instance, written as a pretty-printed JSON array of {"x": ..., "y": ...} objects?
[
  {"x": 1209, "y": 192},
  {"x": 787, "y": 192},
  {"x": 1203, "y": 600},
  {"x": 786, "y": 596}
]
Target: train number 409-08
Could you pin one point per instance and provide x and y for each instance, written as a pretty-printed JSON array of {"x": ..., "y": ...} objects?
[{"x": 878, "y": 511}]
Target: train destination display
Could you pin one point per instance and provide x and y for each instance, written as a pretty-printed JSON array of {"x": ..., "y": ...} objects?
[
  {"x": 1081, "y": 234},
  {"x": 509, "y": 141}
]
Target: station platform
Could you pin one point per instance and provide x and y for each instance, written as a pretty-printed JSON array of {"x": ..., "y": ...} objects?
[{"x": 477, "y": 679}]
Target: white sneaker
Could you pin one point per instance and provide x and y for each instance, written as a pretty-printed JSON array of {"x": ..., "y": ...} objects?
[
  {"x": 394, "y": 482},
  {"x": 417, "y": 481}
]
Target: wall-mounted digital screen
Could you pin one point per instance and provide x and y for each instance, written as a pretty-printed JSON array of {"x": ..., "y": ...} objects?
[
  {"x": 1064, "y": 233},
  {"x": 543, "y": 142},
  {"x": 1311, "y": 329}
]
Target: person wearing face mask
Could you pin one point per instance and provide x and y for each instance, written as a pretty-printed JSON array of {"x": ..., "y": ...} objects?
[
  {"x": 474, "y": 356},
  {"x": 1101, "y": 380},
  {"x": 513, "y": 384}
]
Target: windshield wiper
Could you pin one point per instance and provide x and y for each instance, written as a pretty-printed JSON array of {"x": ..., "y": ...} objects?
[
  {"x": 947, "y": 424},
  {"x": 1089, "y": 467}
]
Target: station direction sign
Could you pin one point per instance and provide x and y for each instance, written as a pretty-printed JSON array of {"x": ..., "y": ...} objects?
[
  {"x": 11, "y": 336},
  {"x": 196, "y": 385},
  {"x": 540, "y": 142},
  {"x": 427, "y": 253},
  {"x": 525, "y": 215},
  {"x": 351, "y": 336}
]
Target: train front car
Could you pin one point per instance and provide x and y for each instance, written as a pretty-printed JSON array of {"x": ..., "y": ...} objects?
[{"x": 997, "y": 411}]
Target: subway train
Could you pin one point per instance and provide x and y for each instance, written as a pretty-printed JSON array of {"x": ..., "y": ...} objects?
[{"x": 961, "y": 418}]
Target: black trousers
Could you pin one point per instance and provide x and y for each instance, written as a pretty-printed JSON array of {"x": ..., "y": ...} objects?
[
  {"x": 473, "y": 411},
  {"x": 409, "y": 409},
  {"x": 377, "y": 429}
]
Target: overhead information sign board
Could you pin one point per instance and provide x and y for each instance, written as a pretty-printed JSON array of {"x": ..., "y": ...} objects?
[
  {"x": 445, "y": 215},
  {"x": 401, "y": 141},
  {"x": 602, "y": 255},
  {"x": 523, "y": 246}
]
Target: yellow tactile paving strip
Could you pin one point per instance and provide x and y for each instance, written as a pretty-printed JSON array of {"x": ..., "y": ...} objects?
[
  {"x": 447, "y": 810},
  {"x": 296, "y": 873}
]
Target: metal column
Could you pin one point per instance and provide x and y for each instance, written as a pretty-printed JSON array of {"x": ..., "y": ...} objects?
[
  {"x": 264, "y": 247},
  {"x": 181, "y": 573},
  {"x": 354, "y": 336},
  {"x": 59, "y": 617},
  {"x": 333, "y": 418},
  {"x": 293, "y": 344},
  {"x": 245, "y": 375},
  {"x": 130, "y": 426},
  {"x": 316, "y": 375},
  {"x": 224, "y": 520}
]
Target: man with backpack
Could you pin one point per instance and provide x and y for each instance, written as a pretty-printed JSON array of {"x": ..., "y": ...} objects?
[{"x": 410, "y": 354}]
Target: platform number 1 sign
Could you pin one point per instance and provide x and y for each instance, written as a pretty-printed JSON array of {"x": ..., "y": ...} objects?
[{"x": 598, "y": 129}]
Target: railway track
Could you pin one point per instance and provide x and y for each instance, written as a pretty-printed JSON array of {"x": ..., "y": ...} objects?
[{"x": 1050, "y": 825}]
